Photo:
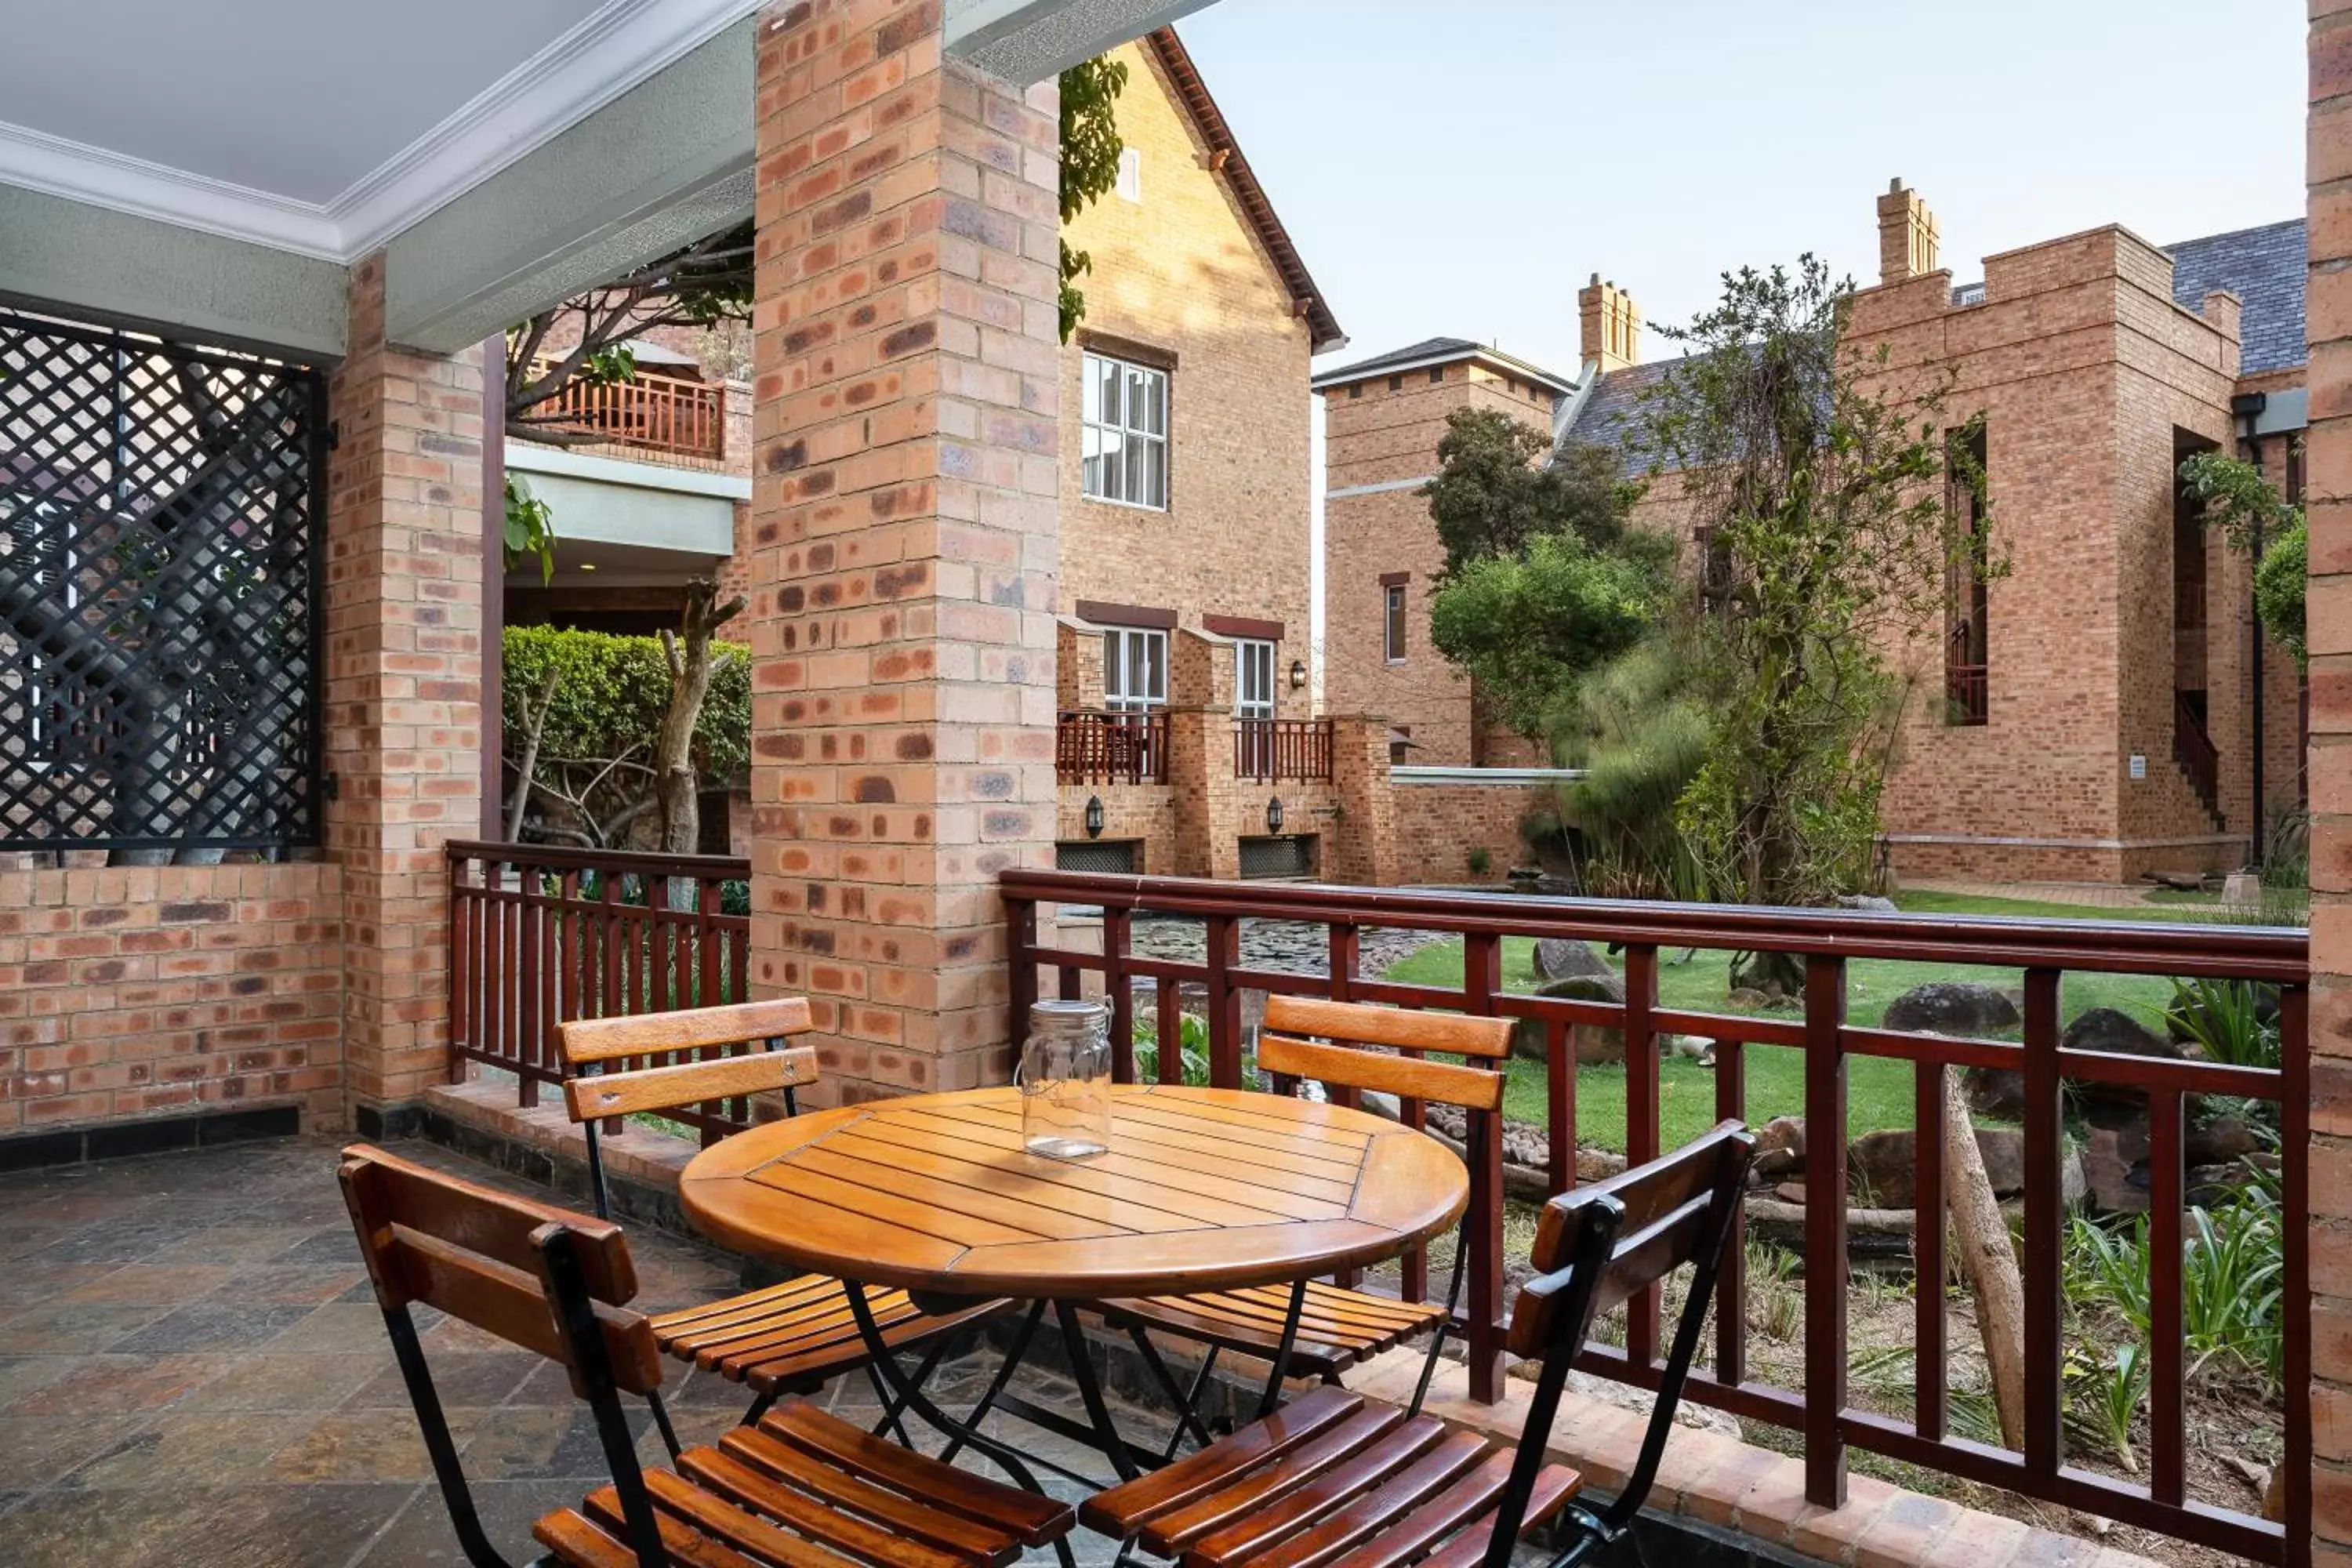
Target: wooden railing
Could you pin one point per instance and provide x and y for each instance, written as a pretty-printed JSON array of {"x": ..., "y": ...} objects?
[
  {"x": 1823, "y": 942},
  {"x": 1269, "y": 750},
  {"x": 1094, "y": 747},
  {"x": 653, "y": 412},
  {"x": 2194, "y": 750},
  {"x": 539, "y": 935}
]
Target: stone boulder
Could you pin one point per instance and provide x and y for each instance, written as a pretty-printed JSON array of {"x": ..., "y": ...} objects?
[
  {"x": 1869, "y": 903},
  {"x": 1563, "y": 958},
  {"x": 1952, "y": 1008},
  {"x": 1779, "y": 1149},
  {"x": 1591, "y": 1042},
  {"x": 1882, "y": 1169}
]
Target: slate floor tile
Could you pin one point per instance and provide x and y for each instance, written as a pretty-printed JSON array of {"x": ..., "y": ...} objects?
[
  {"x": 214, "y": 1325},
  {"x": 106, "y": 1384}
]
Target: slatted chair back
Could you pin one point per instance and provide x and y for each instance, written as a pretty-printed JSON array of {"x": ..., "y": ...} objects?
[
  {"x": 764, "y": 1064},
  {"x": 1595, "y": 1248},
  {"x": 542, "y": 1278},
  {"x": 1359, "y": 1060}
]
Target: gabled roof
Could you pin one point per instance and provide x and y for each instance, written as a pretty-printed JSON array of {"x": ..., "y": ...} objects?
[
  {"x": 2267, "y": 268},
  {"x": 1608, "y": 413},
  {"x": 1441, "y": 351},
  {"x": 1306, "y": 299}
]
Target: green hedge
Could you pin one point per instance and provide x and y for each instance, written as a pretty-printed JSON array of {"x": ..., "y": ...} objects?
[{"x": 611, "y": 694}]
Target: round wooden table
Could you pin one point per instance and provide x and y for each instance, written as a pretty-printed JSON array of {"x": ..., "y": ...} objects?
[{"x": 1203, "y": 1189}]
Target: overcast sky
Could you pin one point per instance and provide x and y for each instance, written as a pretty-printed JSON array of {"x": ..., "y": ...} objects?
[{"x": 1460, "y": 168}]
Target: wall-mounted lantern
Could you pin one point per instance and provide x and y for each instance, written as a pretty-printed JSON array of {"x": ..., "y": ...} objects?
[
  {"x": 1273, "y": 815},
  {"x": 1094, "y": 816},
  {"x": 1298, "y": 674}
]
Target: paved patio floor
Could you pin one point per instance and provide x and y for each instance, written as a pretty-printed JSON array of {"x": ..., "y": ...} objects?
[{"x": 193, "y": 1372}]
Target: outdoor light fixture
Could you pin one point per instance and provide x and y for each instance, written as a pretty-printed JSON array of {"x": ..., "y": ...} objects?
[
  {"x": 587, "y": 566},
  {"x": 1094, "y": 816},
  {"x": 1297, "y": 675},
  {"x": 1273, "y": 815}
]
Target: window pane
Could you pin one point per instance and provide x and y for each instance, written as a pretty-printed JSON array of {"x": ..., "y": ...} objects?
[
  {"x": 1114, "y": 466},
  {"x": 1090, "y": 391},
  {"x": 1110, "y": 380},
  {"x": 1092, "y": 470},
  {"x": 1136, "y": 478},
  {"x": 1156, "y": 405},
  {"x": 1156, "y": 647},
  {"x": 1136, "y": 398},
  {"x": 1155, "y": 479}
]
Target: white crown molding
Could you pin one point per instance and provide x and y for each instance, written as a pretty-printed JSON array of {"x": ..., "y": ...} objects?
[{"x": 622, "y": 44}]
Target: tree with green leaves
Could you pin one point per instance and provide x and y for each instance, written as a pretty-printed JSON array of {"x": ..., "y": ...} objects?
[
  {"x": 1498, "y": 489},
  {"x": 710, "y": 282},
  {"x": 2260, "y": 525},
  {"x": 1831, "y": 505},
  {"x": 1526, "y": 627}
]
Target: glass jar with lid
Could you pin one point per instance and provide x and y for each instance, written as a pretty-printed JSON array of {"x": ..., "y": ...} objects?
[{"x": 1065, "y": 1079}]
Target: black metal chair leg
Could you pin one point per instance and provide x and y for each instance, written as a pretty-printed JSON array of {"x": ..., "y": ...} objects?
[
  {"x": 921, "y": 1405},
  {"x": 890, "y": 1408},
  {"x": 1004, "y": 1375},
  {"x": 1082, "y": 1373},
  {"x": 929, "y": 1364},
  {"x": 661, "y": 1419},
  {"x": 760, "y": 1407},
  {"x": 1272, "y": 1399},
  {"x": 1186, "y": 1418}
]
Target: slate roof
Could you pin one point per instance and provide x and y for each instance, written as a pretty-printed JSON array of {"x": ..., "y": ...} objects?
[
  {"x": 1613, "y": 406},
  {"x": 1413, "y": 353},
  {"x": 2267, "y": 268}
]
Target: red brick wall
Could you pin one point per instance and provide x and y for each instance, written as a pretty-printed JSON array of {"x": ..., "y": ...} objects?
[
  {"x": 144, "y": 991},
  {"x": 1437, "y": 825}
]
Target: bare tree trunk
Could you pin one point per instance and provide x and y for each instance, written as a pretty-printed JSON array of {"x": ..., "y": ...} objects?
[
  {"x": 1987, "y": 1261},
  {"x": 534, "y": 726},
  {"x": 690, "y": 670}
]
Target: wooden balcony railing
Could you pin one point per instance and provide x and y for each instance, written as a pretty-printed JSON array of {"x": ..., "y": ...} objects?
[
  {"x": 664, "y": 413},
  {"x": 1818, "y": 1411},
  {"x": 539, "y": 936},
  {"x": 1269, "y": 750},
  {"x": 1092, "y": 747}
]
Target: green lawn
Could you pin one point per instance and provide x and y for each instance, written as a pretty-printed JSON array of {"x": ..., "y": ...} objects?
[{"x": 1879, "y": 1091}]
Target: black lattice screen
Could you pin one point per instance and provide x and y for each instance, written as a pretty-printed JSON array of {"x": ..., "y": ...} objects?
[{"x": 158, "y": 652}]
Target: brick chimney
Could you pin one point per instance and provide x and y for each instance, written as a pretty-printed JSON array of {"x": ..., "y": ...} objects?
[
  {"x": 1906, "y": 235},
  {"x": 1612, "y": 325}
]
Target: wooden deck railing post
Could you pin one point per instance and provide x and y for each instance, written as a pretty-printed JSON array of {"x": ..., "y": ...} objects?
[
  {"x": 1019, "y": 950},
  {"x": 1482, "y": 978},
  {"x": 2045, "y": 1394},
  {"x": 1825, "y": 1230},
  {"x": 1927, "y": 1331},
  {"x": 1225, "y": 951},
  {"x": 2294, "y": 1223},
  {"x": 1116, "y": 932},
  {"x": 1642, "y": 1113},
  {"x": 1731, "y": 1284}
]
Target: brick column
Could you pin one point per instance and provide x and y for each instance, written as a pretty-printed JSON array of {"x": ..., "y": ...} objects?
[
  {"x": 1210, "y": 814},
  {"x": 1366, "y": 852},
  {"x": 404, "y": 599},
  {"x": 2329, "y": 459},
  {"x": 903, "y": 466}
]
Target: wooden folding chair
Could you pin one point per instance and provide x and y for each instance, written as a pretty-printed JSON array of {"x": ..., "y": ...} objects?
[
  {"x": 1339, "y": 1327},
  {"x": 802, "y": 1490},
  {"x": 791, "y": 1338},
  {"x": 1334, "y": 1480}
]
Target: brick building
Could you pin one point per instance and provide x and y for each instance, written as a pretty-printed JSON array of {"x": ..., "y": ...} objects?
[{"x": 2091, "y": 715}]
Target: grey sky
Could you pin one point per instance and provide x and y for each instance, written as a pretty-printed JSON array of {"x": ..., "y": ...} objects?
[{"x": 1461, "y": 167}]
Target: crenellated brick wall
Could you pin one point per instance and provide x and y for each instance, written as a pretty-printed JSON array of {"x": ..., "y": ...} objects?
[{"x": 153, "y": 991}]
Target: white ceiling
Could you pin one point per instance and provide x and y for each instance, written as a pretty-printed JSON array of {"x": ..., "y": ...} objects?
[{"x": 320, "y": 126}]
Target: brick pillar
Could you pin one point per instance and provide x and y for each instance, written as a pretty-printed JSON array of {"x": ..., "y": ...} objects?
[
  {"x": 1211, "y": 814},
  {"x": 903, "y": 467},
  {"x": 1366, "y": 852},
  {"x": 403, "y": 625},
  {"x": 2329, "y": 460}
]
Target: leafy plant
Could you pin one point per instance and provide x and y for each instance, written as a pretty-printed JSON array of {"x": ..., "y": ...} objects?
[
  {"x": 1499, "y": 488},
  {"x": 1776, "y": 1309},
  {"x": 1480, "y": 859},
  {"x": 2233, "y": 1266},
  {"x": 2103, "y": 1399},
  {"x": 1192, "y": 1046},
  {"x": 2225, "y": 1018},
  {"x": 1640, "y": 735},
  {"x": 530, "y": 528},
  {"x": 1892, "y": 1373},
  {"x": 1090, "y": 149},
  {"x": 1835, "y": 531},
  {"x": 1527, "y": 628}
]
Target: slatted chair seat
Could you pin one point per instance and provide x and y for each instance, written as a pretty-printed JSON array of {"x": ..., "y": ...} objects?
[
  {"x": 791, "y": 1338},
  {"x": 1336, "y": 1481},
  {"x": 798, "y": 1335},
  {"x": 806, "y": 1489},
  {"x": 1338, "y": 1329},
  {"x": 802, "y": 1489},
  {"x": 1331, "y": 1478}
]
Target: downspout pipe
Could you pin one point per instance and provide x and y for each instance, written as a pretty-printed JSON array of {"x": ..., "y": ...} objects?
[{"x": 2247, "y": 409}]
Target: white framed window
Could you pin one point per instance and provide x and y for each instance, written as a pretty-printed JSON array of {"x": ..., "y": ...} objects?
[
  {"x": 1125, "y": 415},
  {"x": 1135, "y": 669},
  {"x": 1393, "y": 622},
  {"x": 1130, "y": 175},
  {"x": 1253, "y": 678}
]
